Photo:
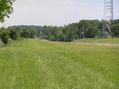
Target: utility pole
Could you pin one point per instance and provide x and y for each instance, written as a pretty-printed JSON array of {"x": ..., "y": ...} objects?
[{"x": 107, "y": 19}]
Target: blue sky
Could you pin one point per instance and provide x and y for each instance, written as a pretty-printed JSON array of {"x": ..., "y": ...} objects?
[{"x": 57, "y": 12}]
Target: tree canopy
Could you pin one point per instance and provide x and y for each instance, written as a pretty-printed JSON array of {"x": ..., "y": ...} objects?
[{"x": 6, "y": 8}]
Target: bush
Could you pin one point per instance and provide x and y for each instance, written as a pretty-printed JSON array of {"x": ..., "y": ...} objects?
[
  {"x": 32, "y": 33},
  {"x": 25, "y": 33},
  {"x": 0, "y": 34},
  {"x": 5, "y": 37},
  {"x": 13, "y": 35}
]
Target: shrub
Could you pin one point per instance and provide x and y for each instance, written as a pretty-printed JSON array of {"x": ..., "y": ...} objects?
[
  {"x": 25, "y": 33},
  {"x": 5, "y": 37},
  {"x": 13, "y": 35},
  {"x": 32, "y": 33}
]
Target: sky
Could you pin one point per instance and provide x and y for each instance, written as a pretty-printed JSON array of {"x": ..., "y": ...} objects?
[{"x": 57, "y": 12}]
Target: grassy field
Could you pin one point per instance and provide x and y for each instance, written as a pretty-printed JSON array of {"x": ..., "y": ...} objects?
[
  {"x": 36, "y": 64},
  {"x": 99, "y": 40}
]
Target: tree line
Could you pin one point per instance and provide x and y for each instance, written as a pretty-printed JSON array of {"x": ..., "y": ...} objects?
[
  {"x": 7, "y": 34},
  {"x": 66, "y": 33}
]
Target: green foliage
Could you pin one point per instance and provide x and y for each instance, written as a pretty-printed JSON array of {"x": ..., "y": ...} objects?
[
  {"x": 0, "y": 33},
  {"x": 13, "y": 34},
  {"x": 91, "y": 28},
  {"x": 67, "y": 33},
  {"x": 5, "y": 37},
  {"x": 32, "y": 33},
  {"x": 25, "y": 33},
  {"x": 28, "y": 33},
  {"x": 115, "y": 29},
  {"x": 5, "y": 9}
]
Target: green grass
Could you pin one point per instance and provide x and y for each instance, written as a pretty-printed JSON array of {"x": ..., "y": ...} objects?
[
  {"x": 36, "y": 64},
  {"x": 99, "y": 40}
]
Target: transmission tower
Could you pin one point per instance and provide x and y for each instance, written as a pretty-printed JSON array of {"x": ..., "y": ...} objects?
[{"x": 107, "y": 18}]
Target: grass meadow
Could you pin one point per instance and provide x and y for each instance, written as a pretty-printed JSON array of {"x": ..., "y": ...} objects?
[
  {"x": 99, "y": 40},
  {"x": 37, "y": 64}
]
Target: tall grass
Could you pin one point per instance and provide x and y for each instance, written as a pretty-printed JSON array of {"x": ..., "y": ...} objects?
[{"x": 35, "y": 64}]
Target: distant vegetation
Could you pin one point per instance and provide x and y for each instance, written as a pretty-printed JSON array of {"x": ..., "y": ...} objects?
[{"x": 67, "y": 33}]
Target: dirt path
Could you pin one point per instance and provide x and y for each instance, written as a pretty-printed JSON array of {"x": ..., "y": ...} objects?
[{"x": 99, "y": 44}]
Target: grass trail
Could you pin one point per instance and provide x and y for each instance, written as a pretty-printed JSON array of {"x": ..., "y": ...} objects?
[
  {"x": 98, "y": 41},
  {"x": 35, "y": 64}
]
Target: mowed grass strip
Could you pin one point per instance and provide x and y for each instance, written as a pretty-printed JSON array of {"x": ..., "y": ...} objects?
[
  {"x": 98, "y": 40},
  {"x": 36, "y": 64}
]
